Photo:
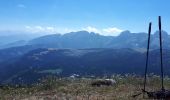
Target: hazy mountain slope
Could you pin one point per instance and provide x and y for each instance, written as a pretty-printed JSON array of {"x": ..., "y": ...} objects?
[
  {"x": 65, "y": 62},
  {"x": 16, "y": 38},
  {"x": 13, "y": 53}
]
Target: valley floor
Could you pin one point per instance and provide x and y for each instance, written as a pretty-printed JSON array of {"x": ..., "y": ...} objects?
[{"x": 81, "y": 89}]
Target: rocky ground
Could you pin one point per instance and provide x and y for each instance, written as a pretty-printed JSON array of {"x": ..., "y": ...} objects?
[{"x": 52, "y": 88}]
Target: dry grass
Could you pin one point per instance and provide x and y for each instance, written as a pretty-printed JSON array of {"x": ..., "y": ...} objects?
[{"x": 80, "y": 89}]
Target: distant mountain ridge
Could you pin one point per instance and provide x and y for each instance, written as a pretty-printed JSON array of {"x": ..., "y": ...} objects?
[{"x": 83, "y": 39}]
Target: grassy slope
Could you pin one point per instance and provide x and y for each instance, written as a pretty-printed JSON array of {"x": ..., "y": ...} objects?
[{"x": 80, "y": 89}]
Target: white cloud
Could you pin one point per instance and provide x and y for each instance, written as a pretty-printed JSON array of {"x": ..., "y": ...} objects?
[
  {"x": 91, "y": 29},
  {"x": 21, "y": 6},
  {"x": 28, "y": 27},
  {"x": 50, "y": 28},
  {"x": 35, "y": 29},
  {"x": 39, "y": 28},
  {"x": 111, "y": 31},
  {"x": 67, "y": 30}
]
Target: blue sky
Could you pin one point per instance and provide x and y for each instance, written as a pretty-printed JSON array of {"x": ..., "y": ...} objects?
[{"x": 107, "y": 17}]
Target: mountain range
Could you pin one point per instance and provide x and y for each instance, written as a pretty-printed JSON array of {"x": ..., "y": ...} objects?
[
  {"x": 83, "y": 39},
  {"x": 81, "y": 53}
]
